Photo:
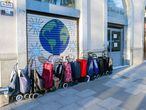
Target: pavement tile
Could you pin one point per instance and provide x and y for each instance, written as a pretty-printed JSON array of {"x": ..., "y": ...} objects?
[
  {"x": 91, "y": 85},
  {"x": 7, "y": 108},
  {"x": 134, "y": 102},
  {"x": 144, "y": 91},
  {"x": 117, "y": 108},
  {"x": 94, "y": 107},
  {"x": 109, "y": 92},
  {"x": 110, "y": 103},
  {"x": 20, "y": 103},
  {"x": 49, "y": 98},
  {"x": 28, "y": 106},
  {"x": 81, "y": 86},
  {"x": 121, "y": 84},
  {"x": 144, "y": 81},
  {"x": 68, "y": 100},
  {"x": 140, "y": 80},
  {"x": 120, "y": 79},
  {"x": 142, "y": 109},
  {"x": 86, "y": 93},
  {"x": 142, "y": 87},
  {"x": 133, "y": 90},
  {"x": 72, "y": 106},
  {"x": 103, "y": 79},
  {"x": 142, "y": 104},
  {"x": 111, "y": 83},
  {"x": 122, "y": 95},
  {"x": 84, "y": 102},
  {"x": 68, "y": 92},
  {"x": 114, "y": 76},
  {"x": 100, "y": 89},
  {"x": 130, "y": 84},
  {"x": 48, "y": 106}
]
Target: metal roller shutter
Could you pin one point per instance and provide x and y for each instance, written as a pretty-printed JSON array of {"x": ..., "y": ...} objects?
[{"x": 48, "y": 35}]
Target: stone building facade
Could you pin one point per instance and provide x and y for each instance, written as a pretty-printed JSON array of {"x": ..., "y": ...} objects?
[{"x": 93, "y": 25}]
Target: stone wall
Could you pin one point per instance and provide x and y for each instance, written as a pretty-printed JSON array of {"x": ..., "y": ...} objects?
[{"x": 138, "y": 38}]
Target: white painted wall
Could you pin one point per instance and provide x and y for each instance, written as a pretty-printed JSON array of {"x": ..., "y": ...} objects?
[
  {"x": 129, "y": 32},
  {"x": 98, "y": 22},
  {"x": 92, "y": 25},
  {"x": 138, "y": 23},
  {"x": 138, "y": 39},
  {"x": 8, "y": 52},
  {"x": 8, "y": 33},
  {"x": 0, "y": 75},
  {"x": 21, "y": 33},
  {"x": 83, "y": 6}
]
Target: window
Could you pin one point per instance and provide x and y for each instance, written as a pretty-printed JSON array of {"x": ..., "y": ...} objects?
[
  {"x": 51, "y": 1},
  {"x": 116, "y": 3},
  {"x": 67, "y": 3}
]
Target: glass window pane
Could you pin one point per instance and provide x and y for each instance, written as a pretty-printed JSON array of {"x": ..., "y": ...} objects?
[
  {"x": 69, "y": 3},
  {"x": 38, "y": 0},
  {"x": 50, "y": 1},
  {"x": 116, "y": 41},
  {"x": 116, "y": 3},
  {"x": 109, "y": 40}
]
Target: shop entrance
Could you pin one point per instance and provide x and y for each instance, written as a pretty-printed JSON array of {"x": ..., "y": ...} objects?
[{"x": 115, "y": 47}]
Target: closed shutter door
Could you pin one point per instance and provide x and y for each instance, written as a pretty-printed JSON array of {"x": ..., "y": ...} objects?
[{"x": 48, "y": 35}]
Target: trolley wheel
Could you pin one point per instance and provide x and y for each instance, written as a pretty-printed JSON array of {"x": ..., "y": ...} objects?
[
  {"x": 65, "y": 85},
  {"x": 19, "y": 97},
  {"x": 26, "y": 96},
  {"x": 95, "y": 76},
  {"x": 30, "y": 96},
  {"x": 35, "y": 95}
]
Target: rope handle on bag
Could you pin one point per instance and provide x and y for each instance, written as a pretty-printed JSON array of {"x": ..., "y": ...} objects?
[
  {"x": 16, "y": 68},
  {"x": 13, "y": 72},
  {"x": 67, "y": 58},
  {"x": 70, "y": 57},
  {"x": 30, "y": 63},
  {"x": 94, "y": 55},
  {"x": 52, "y": 60},
  {"x": 90, "y": 53}
]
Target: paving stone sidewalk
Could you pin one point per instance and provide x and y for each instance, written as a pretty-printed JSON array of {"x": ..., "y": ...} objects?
[{"x": 125, "y": 89}]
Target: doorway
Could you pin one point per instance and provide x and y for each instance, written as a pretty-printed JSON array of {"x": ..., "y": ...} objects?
[{"x": 115, "y": 47}]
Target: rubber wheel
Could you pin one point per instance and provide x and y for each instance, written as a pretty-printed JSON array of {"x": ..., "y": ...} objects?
[
  {"x": 26, "y": 96},
  {"x": 35, "y": 95},
  {"x": 19, "y": 97},
  {"x": 95, "y": 77},
  {"x": 30, "y": 96},
  {"x": 65, "y": 85}
]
